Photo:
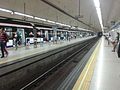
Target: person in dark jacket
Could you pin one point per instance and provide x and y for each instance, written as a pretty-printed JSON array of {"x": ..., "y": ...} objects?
[{"x": 3, "y": 41}]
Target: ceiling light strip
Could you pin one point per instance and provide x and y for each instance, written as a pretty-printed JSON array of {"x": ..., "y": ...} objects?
[
  {"x": 15, "y": 25},
  {"x": 6, "y": 10},
  {"x": 40, "y": 19},
  {"x": 50, "y": 21},
  {"x": 22, "y": 14},
  {"x": 98, "y": 9},
  {"x": 30, "y": 16}
]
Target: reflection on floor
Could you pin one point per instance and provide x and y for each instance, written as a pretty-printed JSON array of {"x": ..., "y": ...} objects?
[{"x": 107, "y": 70}]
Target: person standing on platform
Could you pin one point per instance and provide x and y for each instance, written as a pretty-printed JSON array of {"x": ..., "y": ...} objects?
[
  {"x": 18, "y": 37},
  {"x": 3, "y": 41},
  {"x": 108, "y": 38},
  {"x": 6, "y": 40},
  {"x": 116, "y": 42}
]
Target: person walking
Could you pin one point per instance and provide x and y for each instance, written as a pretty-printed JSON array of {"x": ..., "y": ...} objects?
[{"x": 3, "y": 41}]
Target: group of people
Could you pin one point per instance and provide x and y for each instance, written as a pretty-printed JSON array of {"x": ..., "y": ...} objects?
[
  {"x": 114, "y": 42},
  {"x": 4, "y": 38}
]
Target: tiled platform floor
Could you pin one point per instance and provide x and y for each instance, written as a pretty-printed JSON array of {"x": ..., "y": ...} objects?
[{"x": 107, "y": 70}]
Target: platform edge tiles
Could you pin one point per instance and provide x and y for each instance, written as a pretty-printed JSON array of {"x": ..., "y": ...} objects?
[{"x": 84, "y": 79}]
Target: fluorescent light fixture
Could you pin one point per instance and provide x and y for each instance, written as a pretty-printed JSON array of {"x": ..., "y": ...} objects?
[
  {"x": 98, "y": 9},
  {"x": 40, "y": 19},
  {"x": 113, "y": 30},
  {"x": 72, "y": 27},
  {"x": 68, "y": 25},
  {"x": 97, "y": 3},
  {"x": 26, "y": 15},
  {"x": 62, "y": 30},
  {"x": 6, "y": 10},
  {"x": 15, "y": 25},
  {"x": 82, "y": 29},
  {"x": 63, "y": 24},
  {"x": 99, "y": 16},
  {"x": 58, "y": 23},
  {"x": 22, "y": 14},
  {"x": 50, "y": 21},
  {"x": 43, "y": 28}
]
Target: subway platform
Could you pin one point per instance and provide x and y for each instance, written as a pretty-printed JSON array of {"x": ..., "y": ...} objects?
[
  {"x": 102, "y": 72},
  {"x": 22, "y": 52}
]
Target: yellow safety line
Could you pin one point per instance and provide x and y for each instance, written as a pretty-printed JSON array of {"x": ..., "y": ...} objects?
[{"x": 81, "y": 84}]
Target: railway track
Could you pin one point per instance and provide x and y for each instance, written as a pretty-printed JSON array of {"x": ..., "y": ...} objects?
[{"x": 53, "y": 77}]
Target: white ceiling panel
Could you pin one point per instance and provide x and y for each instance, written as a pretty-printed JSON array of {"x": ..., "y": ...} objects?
[{"x": 109, "y": 8}]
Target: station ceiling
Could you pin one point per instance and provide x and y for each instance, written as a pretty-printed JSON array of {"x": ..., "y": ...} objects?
[{"x": 86, "y": 10}]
